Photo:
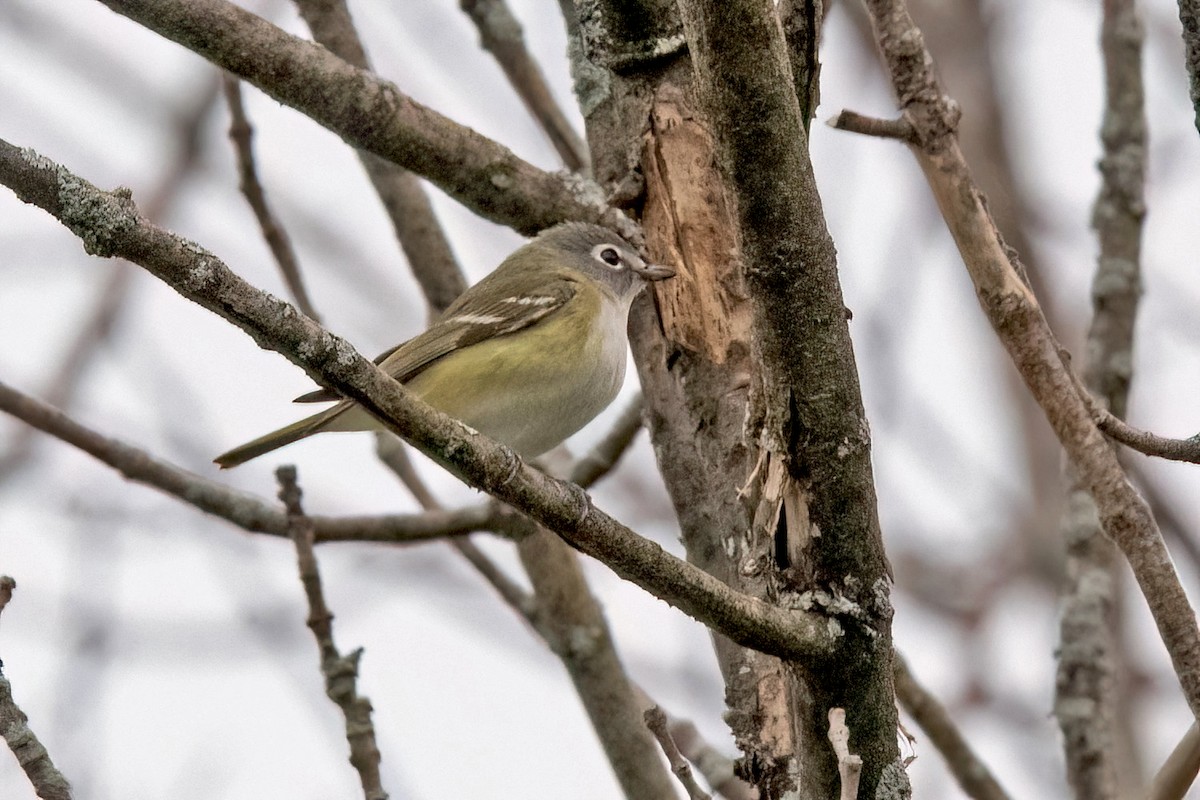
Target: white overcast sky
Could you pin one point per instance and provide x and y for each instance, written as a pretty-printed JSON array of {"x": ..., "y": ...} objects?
[{"x": 163, "y": 653}]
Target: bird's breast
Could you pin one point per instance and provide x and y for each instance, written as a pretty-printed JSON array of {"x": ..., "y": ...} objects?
[{"x": 534, "y": 388}]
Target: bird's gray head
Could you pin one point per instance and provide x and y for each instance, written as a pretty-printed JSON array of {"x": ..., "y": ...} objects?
[{"x": 604, "y": 255}]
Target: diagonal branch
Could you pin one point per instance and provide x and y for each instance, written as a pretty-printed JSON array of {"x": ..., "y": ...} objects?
[
  {"x": 404, "y": 198},
  {"x": 30, "y": 753},
  {"x": 501, "y": 35},
  {"x": 339, "y": 671},
  {"x": 244, "y": 510},
  {"x": 1018, "y": 320},
  {"x": 109, "y": 225},
  {"x": 372, "y": 114},
  {"x": 241, "y": 133},
  {"x": 971, "y": 773}
]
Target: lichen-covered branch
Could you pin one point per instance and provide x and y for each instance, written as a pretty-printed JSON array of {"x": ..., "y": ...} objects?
[
  {"x": 404, "y": 198},
  {"x": 813, "y": 474},
  {"x": 1087, "y": 697},
  {"x": 1189, "y": 16},
  {"x": 109, "y": 226},
  {"x": 372, "y": 114},
  {"x": 30, "y": 753},
  {"x": 1018, "y": 320}
]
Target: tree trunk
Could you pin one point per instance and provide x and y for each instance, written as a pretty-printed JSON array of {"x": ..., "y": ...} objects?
[{"x": 751, "y": 392}]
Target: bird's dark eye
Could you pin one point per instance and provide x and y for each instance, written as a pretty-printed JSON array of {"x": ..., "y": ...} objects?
[{"x": 610, "y": 256}]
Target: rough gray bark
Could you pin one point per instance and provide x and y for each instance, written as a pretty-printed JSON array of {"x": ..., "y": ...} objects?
[
  {"x": 1189, "y": 15},
  {"x": 929, "y": 119},
  {"x": 372, "y": 114},
  {"x": 700, "y": 350},
  {"x": 807, "y": 419},
  {"x": 1087, "y": 702},
  {"x": 692, "y": 341}
]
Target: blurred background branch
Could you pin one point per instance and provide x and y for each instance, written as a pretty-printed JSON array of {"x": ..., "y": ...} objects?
[{"x": 967, "y": 471}]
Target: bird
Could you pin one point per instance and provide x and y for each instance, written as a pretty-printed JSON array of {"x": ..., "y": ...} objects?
[{"x": 527, "y": 356}]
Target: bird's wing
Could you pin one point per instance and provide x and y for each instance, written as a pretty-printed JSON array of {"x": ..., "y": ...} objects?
[
  {"x": 470, "y": 321},
  {"x": 329, "y": 395}
]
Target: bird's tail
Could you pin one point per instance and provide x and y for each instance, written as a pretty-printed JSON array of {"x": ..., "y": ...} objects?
[{"x": 276, "y": 439}]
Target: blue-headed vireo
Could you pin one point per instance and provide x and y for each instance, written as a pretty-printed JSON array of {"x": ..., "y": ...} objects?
[{"x": 527, "y": 356}]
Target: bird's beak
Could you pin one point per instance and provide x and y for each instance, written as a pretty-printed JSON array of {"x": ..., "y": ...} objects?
[{"x": 654, "y": 272}]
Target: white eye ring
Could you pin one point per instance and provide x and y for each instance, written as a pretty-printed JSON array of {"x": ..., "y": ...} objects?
[{"x": 609, "y": 256}]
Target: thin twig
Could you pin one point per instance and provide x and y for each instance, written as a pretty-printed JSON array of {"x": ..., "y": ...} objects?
[
  {"x": 931, "y": 716},
  {"x": 717, "y": 768},
  {"x": 340, "y": 672},
  {"x": 241, "y": 133},
  {"x": 849, "y": 764},
  {"x": 99, "y": 326},
  {"x": 1147, "y": 443},
  {"x": 1017, "y": 318},
  {"x": 1090, "y": 386},
  {"x": 47, "y": 781},
  {"x": 404, "y": 198},
  {"x": 1178, "y": 772},
  {"x": 244, "y": 510},
  {"x": 656, "y": 721},
  {"x": 900, "y": 128},
  {"x": 501, "y": 35}
]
